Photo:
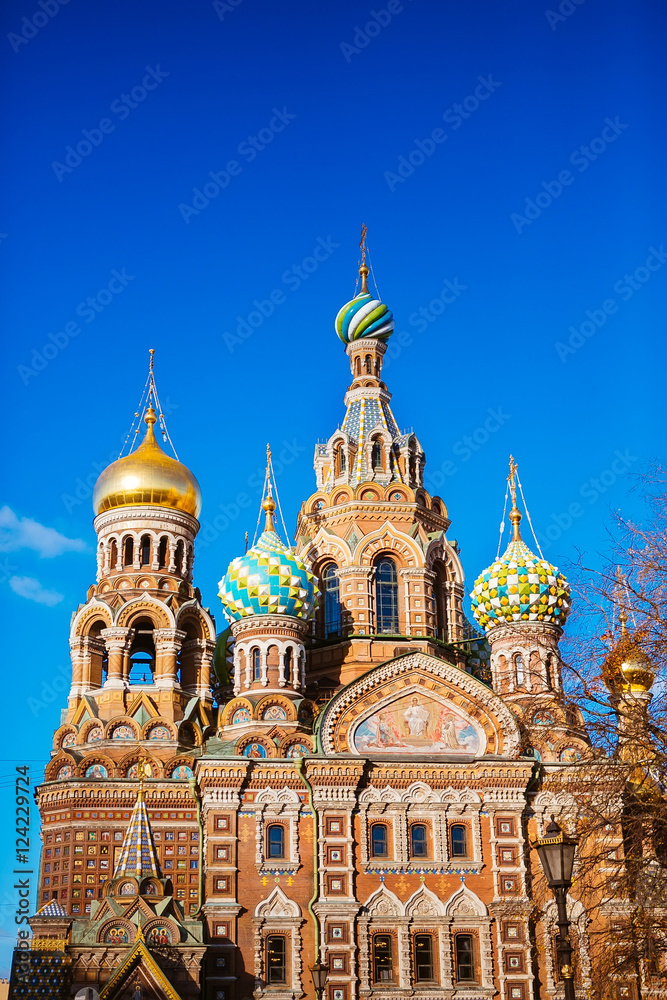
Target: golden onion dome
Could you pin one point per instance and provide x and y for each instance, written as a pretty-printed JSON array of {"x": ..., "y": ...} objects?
[
  {"x": 628, "y": 668},
  {"x": 147, "y": 477}
]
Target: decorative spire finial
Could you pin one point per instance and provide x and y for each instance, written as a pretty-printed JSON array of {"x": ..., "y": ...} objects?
[
  {"x": 515, "y": 513},
  {"x": 622, "y": 614},
  {"x": 363, "y": 270},
  {"x": 269, "y": 504}
]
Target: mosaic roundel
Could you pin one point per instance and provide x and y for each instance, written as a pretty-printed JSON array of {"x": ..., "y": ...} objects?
[
  {"x": 520, "y": 587},
  {"x": 116, "y": 935},
  {"x": 68, "y": 740},
  {"x": 254, "y": 750},
  {"x": 297, "y": 750},
  {"x": 275, "y": 713},
  {"x": 569, "y": 755},
  {"x": 182, "y": 771},
  {"x": 66, "y": 771},
  {"x": 159, "y": 733},
  {"x": 123, "y": 733},
  {"x": 158, "y": 935},
  {"x": 543, "y": 719},
  {"x": 241, "y": 715},
  {"x": 94, "y": 735},
  {"x": 97, "y": 771}
]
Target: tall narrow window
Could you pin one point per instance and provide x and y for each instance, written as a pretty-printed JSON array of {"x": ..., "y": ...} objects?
[
  {"x": 459, "y": 841},
  {"x": 128, "y": 552},
  {"x": 178, "y": 557},
  {"x": 412, "y": 468},
  {"x": 465, "y": 958},
  {"x": 275, "y": 840},
  {"x": 376, "y": 455},
  {"x": 287, "y": 665},
  {"x": 369, "y": 365},
  {"x": 520, "y": 672},
  {"x": 162, "y": 552},
  {"x": 379, "y": 841},
  {"x": 386, "y": 596},
  {"x": 383, "y": 959},
  {"x": 418, "y": 841},
  {"x": 113, "y": 555},
  {"x": 331, "y": 601},
  {"x": 256, "y": 665},
  {"x": 145, "y": 551},
  {"x": 424, "y": 958},
  {"x": 276, "y": 964}
]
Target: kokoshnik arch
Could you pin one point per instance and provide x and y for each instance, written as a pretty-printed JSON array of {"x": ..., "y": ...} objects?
[{"x": 349, "y": 772}]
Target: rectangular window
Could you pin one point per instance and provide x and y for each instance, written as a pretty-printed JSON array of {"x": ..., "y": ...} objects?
[
  {"x": 465, "y": 958},
  {"x": 418, "y": 841},
  {"x": 275, "y": 841},
  {"x": 459, "y": 840},
  {"x": 423, "y": 958},
  {"x": 383, "y": 960},
  {"x": 276, "y": 964},
  {"x": 379, "y": 840}
]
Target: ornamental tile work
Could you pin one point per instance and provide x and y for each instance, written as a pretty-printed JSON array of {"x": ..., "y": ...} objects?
[
  {"x": 138, "y": 857},
  {"x": 520, "y": 587},
  {"x": 268, "y": 579},
  {"x": 364, "y": 316}
]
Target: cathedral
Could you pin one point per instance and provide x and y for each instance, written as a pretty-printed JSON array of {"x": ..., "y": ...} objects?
[{"x": 335, "y": 791}]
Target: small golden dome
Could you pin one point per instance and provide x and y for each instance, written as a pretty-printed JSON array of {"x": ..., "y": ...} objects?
[
  {"x": 147, "y": 477},
  {"x": 628, "y": 668}
]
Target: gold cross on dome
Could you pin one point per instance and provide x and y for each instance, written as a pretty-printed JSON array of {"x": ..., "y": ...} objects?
[{"x": 511, "y": 479}]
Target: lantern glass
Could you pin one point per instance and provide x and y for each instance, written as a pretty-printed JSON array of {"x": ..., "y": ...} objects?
[
  {"x": 556, "y": 855},
  {"x": 319, "y": 974}
]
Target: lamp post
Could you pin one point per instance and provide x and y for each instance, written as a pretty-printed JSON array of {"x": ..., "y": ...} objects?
[
  {"x": 319, "y": 974},
  {"x": 556, "y": 853}
]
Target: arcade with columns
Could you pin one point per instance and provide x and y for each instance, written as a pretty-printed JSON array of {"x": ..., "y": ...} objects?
[{"x": 347, "y": 778}]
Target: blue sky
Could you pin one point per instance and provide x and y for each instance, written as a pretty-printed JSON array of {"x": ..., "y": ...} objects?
[{"x": 171, "y": 165}]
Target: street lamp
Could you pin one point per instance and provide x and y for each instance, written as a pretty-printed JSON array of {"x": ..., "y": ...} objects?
[
  {"x": 556, "y": 853},
  {"x": 319, "y": 974}
]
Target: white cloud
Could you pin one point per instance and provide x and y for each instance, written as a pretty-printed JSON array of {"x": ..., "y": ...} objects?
[
  {"x": 23, "y": 533},
  {"x": 28, "y": 587}
]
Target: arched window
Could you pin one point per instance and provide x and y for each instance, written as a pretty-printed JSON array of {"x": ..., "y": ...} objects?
[
  {"x": 145, "y": 550},
  {"x": 256, "y": 661},
  {"x": 113, "y": 554},
  {"x": 379, "y": 841},
  {"x": 369, "y": 365},
  {"x": 340, "y": 462},
  {"x": 435, "y": 507},
  {"x": 386, "y": 597},
  {"x": 276, "y": 960},
  {"x": 383, "y": 958},
  {"x": 142, "y": 653},
  {"x": 128, "y": 551},
  {"x": 331, "y": 586},
  {"x": 162, "y": 552},
  {"x": 412, "y": 465},
  {"x": 465, "y": 958},
  {"x": 287, "y": 665},
  {"x": 418, "y": 841},
  {"x": 275, "y": 841},
  {"x": 459, "y": 840},
  {"x": 178, "y": 557},
  {"x": 520, "y": 672},
  {"x": 376, "y": 455},
  {"x": 440, "y": 601},
  {"x": 424, "y": 958},
  {"x": 357, "y": 366}
]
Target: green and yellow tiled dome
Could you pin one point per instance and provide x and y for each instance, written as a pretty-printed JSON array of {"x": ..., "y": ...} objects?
[
  {"x": 520, "y": 587},
  {"x": 269, "y": 579}
]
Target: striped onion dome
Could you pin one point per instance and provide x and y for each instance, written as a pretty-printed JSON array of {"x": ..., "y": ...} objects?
[
  {"x": 364, "y": 317},
  {"x": 520, "y": 587}
]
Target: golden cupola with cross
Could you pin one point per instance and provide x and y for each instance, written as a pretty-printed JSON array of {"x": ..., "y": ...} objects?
[{"x": 143, "y": 626}]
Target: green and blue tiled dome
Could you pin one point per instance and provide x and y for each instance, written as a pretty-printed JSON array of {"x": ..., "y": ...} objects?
[
  {"x": 520, "y": 587},
  {"x": 364, "y": 317},
  {"x": 269, "y": 579}
]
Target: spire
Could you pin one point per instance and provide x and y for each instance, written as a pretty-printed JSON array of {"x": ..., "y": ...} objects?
[
  {"x": 269, "y": 504},
  {"x": 515, "y": 513},
  {"x": 363, "y": 270},
  {"x": 137, "y": 857}
]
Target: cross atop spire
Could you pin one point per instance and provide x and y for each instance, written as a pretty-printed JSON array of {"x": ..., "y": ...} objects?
[
  {"x": 269, "y": 504},
  {"x": 363, "y": 270},
  {"x": 515, "y": 513}
]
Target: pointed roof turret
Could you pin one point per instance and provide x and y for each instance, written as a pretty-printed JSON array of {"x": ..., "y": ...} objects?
[{"x": 138, "y": 857}]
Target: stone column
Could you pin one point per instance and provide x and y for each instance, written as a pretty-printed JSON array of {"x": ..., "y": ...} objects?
[
  {"x": 117, "y": 642},
  {"x": 168, "y": 643}
]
